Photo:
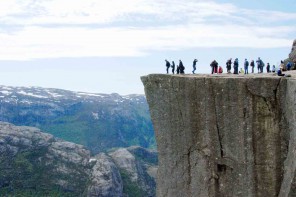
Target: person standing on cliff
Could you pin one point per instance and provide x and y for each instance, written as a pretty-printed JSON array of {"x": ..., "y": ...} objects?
[
  {"x": 173, "y": 67},
  {"x": 168, "y": 65},
  {"x": 268, "y": 68},
  {"x": 235, "y": 66},
  {"x": 181, "y": 67},
  {"x": 252, "y": 65},
  {"x": 178, "y": 69},
  {"x": 273, "y": 68},
  {"x": 246, "y": 65},
  {"x": 214, "y": 66},
  {"x": 260, "y": 65},
  {"x": 194, "y": 65},
  {"x": 228, "y": 65}
]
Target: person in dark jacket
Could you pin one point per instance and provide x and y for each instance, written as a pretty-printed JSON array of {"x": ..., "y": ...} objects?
[
  {"x": 260, "y": 65},
  {"x": 235, "y": 66},
  {"x": 252, "y": 64},
  {"x": 268, "y": 68},
  {"x": 178, "y": 69},
  {"x": 228, "y": 65},
  {"x": 214, "y": 66},
  {"x": 168, "y": 65},
  {"x": 289, "y": 66},
  {"x": 280, "y": 72},
  {"x": 181, "y": 67},
  {"x": 194, "y": 65},
  {"x": 173, "y": 67},
  {"x": 246, "y": 66}
]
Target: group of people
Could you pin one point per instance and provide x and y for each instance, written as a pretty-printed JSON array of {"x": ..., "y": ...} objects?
[
  {"x": 259, "y": 62},
  {"x": 218, "y": 69},
  {"x": 180, "y": 67}
]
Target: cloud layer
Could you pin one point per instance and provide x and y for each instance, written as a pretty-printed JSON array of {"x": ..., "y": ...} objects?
[{"x": 93, "y": 28}]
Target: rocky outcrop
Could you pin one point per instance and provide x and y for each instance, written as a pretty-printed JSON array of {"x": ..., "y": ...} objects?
[
  {"x": 292, "y": 55},
  {"x": 33, "y": 160},
  {"x": 224, "y": 135},
  {"x": 137, "y": 166},
  {"x": 36, "y": 163},
  {"x": 105, "y": 176}
]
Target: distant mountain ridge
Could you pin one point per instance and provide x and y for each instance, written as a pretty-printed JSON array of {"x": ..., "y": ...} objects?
[{"x": 98, "y": 121}]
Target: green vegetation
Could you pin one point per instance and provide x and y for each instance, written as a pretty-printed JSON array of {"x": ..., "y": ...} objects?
[
  {"x": 130, "y": 188},
  {"x": 30, "y": 173},
  {"x": 8, "y": 192}
]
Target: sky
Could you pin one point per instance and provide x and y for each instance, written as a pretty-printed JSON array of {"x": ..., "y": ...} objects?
[{"x": 105, "y": 46}]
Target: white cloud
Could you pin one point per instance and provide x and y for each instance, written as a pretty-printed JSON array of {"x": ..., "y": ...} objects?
[{"x": 162, "y": 25}]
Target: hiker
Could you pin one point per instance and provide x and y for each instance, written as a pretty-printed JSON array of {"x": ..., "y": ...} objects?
[
  {"x": 280, "y": 72},
  {"x": 246, "y": 64},
  {"x": 228, "y": 65},
  {"x": 259, "y": 65},
  {"x": 289, "y": 66},
  {"x": 181, "y": 67},
  {"x": 214, "y": 66},
  {"x": 178, "y": 69},
  {"x": 235, "y": 66},
  {"x": 194, "y": 65},
  {"x": 283, "y": 66},
  {"x": 252, "y": 65},
  {"x": 273, "y": 68},
  {"x": 173, "y": 67},
  {"x": 268, "y": 68},
  {"x": 168, "y": 65}
]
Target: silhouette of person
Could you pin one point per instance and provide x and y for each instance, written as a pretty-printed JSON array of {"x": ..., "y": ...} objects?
[
  {"x": 252, "y": 65},
  {"x": 235, "y": 66},
  {"x": 181, "y": 67},
  {"x": 194, "y": 65},
  {"x": 246, "y": 64},
  {"x": 228, "y": 65},
  {"x": 168, "y": 65},
  {"x": 173, "y": 67},
  {"x": 214, "y": 66}
]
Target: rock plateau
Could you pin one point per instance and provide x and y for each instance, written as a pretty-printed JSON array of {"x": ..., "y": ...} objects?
[{"x": 224, "y": 135}]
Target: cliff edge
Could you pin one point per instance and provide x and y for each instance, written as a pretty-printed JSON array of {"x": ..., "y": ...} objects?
[{"x": 224, "y": 135}]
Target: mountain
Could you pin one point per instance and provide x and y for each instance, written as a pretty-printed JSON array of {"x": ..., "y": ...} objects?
[
  {"x": 34, "y": 163},
  {"x": 97, "y": 121}
]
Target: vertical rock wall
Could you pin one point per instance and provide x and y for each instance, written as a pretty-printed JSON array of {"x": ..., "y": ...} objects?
[{"x": 223, "y": 136}]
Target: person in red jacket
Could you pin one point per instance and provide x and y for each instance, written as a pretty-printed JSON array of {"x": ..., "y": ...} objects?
[{"x": 220, "y": 70}]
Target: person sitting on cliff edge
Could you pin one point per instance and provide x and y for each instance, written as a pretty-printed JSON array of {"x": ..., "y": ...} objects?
[{"x": 280, "y": 72}]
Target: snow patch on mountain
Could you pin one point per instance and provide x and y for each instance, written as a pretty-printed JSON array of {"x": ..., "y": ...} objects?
[{"x": 31, "y": 94}]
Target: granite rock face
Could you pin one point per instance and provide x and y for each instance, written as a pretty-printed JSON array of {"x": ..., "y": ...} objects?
[
  {"x": 31, "y": 159},
  {"x": 136, "y": 164},
  {"x": 292, "y": 55},
  {"x": 224, "y": 135}
]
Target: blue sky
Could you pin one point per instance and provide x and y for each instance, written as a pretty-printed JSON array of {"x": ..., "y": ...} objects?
[{"x": 105, "y": 46}]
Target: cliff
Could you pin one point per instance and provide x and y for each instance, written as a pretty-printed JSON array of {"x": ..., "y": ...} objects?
[{"x": 224, "y": 135}]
